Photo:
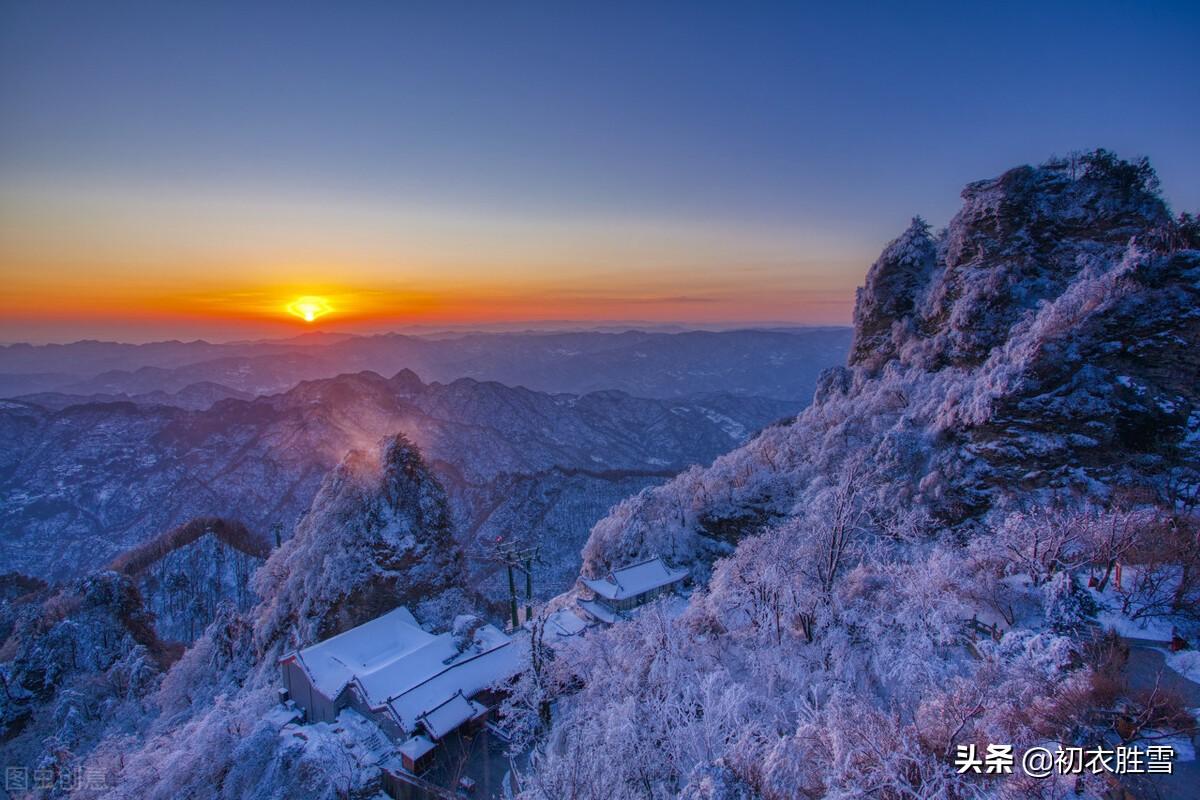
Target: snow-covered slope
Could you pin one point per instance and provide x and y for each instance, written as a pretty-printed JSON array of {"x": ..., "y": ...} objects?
[
  {"x": 88, "y": 685},
  {"x": 99, "y": 478},
  {"x": 899, "y": 572},
  {"x": 1047, "y": 340},
  {"x": 74, "y": 661},
  {"x": 188, "y": 573}
]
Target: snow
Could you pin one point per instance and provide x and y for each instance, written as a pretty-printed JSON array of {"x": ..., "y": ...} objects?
[
  {"x": 598, "y": 611},
  {"x": 366, "y": 736},
  {"x": 735, "y": 430},
  {"x": 1181, "y": 744},
  {"x": 635, "y": 579},
  {"x": 452, "y": 712},
  {"x": 416, "y": 675},
  {"x": 370, "y": 647},
  {"x": 467, "y": 676},
  {"x": 407, "y": 670},
  {"x": 1186, "y": 663},
  {"x": 283, "y": 715},
  {"x": 565, "y": 623},
  {"x": 416, "y": 747},
  {"x": 974, "y": 401},
  {"x": 1157, "y": 629}
]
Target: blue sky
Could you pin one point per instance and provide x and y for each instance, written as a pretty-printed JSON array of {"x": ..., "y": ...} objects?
[{"x": 566, "y": 148}]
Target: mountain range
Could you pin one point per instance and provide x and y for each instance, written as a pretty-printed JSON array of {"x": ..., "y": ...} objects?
[
  {"x": 778, "y": 363},
  {"x": 83, "y": 483}
]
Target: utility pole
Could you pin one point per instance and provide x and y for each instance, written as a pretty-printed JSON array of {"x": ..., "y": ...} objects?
[
  {"x": 515, "y": 557},
  {"x": 512, "y": 596},
  {"x": 529, "y": 585}
]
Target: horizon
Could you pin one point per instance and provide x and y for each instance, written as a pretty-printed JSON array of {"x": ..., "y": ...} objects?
[
  {"x": 399, "y": 167},
  {"x": 519, "y": 327}
]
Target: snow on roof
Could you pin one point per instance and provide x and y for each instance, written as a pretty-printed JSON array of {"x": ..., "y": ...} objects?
[
  {"x": 598, "y": 611},
  {"x": 635, "y": 579},
  {"x": 453, "y": 711},
  {"x": 563, "y": 624},
  {"x": 333, "y": 663},
  {"x": 410, "y": 670},
  {"x": 469, "y": 674},
  {"x": 398, "y": 666},
  {"x": 415, "y": 747}
]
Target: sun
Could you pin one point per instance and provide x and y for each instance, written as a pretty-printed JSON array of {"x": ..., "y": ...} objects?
[{"x": 309, "y": 307}]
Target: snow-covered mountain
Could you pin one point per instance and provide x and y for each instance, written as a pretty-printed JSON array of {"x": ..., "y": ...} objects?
[
  {"x": 87, "y": 679},
  {"x": 378, "y": 534},
  {"x": 82, "y": 484},
  {"x": 1020, "y": 413},
  {"x": 1045, "y": 342},
  {"x": 74, "y": 657}
]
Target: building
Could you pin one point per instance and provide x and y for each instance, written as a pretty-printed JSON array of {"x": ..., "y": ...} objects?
[
  {"x": 415, "y": 686},
  {"x": 625, "y": 589},
  {"x": 562, "y": 626}
]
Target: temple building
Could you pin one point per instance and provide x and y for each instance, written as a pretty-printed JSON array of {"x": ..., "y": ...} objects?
[
  {"x": 416, "y": 687},
  {"x": 623, "y": 590}
]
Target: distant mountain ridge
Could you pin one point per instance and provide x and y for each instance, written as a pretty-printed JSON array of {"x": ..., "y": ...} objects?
[
  {"x": 782, "y": 364},
  {"x": 98, "y": 478},
  {"x": 194, "y": 396}
]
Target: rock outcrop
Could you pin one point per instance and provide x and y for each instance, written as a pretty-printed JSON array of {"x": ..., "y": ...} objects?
[
  {"x": 1044, "y": 344},
  {"x": 378, "y": 535}
]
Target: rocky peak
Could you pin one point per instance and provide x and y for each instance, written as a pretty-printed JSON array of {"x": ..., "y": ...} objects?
[
  {"x": 1043, "y": 346},
  {"x": 1017, "y": 242},
  {"x": 378, "y": 534},
  {"x": 407, "y": 383},
  {"x": 889, "y": 295}
]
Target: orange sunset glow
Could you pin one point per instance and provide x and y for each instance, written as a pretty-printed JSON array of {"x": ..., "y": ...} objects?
[
  {"x": 56, "y": 292},
  {"x": 309, "y": 308},
  {"x": 117, "y": 257}
]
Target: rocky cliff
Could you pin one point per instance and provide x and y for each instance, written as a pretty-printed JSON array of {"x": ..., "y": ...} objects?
[
  {"x": 378, "y": 535},
  {"x": 1018, "y": 413},
  {"x": 1045, "y": 343}
]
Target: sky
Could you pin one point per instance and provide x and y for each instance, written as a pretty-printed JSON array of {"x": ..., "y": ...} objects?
[{"x": 184, "y": 169}]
